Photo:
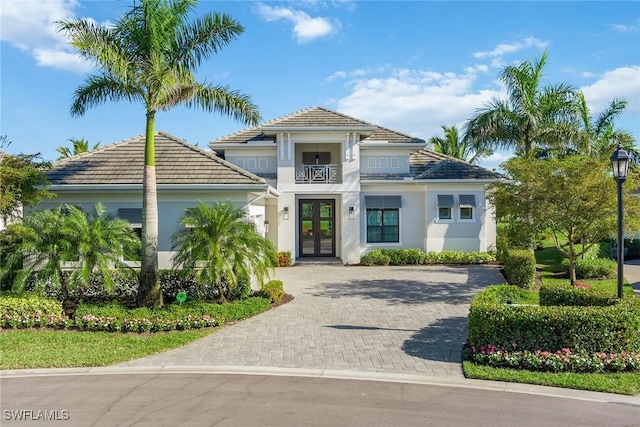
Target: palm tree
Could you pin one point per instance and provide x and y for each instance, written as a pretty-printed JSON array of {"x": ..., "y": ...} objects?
[
  {"x": 451, "y": 145},
  {"x": 219, "y": 243},
  {"x": 598, "y": 137},
  {"x": 94, "y": 244},
  {"x": 79, "y": 146},
  {"x": 150, "y": 55},
  {"x": 532, "y": 116}
]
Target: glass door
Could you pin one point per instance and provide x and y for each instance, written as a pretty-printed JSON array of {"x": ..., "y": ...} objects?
[{"x": 317, "y": 224}]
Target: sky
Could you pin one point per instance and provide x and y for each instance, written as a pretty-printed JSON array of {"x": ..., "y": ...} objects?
[{"x": 411, "y": 66}]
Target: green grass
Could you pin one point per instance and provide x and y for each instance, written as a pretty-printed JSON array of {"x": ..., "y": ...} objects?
[
  {"x": 621, "y": 383},
  {"x": 43, "y": 348}
]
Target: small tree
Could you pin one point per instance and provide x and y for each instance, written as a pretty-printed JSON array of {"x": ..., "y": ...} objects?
[
  {"x": 574, "y": 198},
  {"x": 219, "y": 243},
  {"x": 64, "y": 247},
  {"x": 22, "y": 181}
]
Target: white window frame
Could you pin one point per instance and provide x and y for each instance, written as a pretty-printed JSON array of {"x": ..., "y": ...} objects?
[
  {"x": 451, "y": 218},
  {"x": 463, "y": 205}
]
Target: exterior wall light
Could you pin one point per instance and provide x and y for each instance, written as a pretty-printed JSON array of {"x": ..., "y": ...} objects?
[
  {"x": 286, "y": 213},
  {"x": 620, "y": 167},
  {"x": 351, "y": 212},
  {"x": 266, "y": 226}
]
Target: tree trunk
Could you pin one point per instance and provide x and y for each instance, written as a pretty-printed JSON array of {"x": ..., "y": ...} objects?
[{"x": 149, "y": 291}]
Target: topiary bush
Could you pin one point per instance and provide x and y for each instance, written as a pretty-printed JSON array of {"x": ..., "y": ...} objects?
[
  {"x": 561, "y": 294},
  {"x": 272, "y": 290},
  {"x": 594, "y": 268},
  {"x": 520, "y": 267}
]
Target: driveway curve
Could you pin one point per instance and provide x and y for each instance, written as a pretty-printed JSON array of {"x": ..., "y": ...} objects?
[{"x": 402, "y": 320}]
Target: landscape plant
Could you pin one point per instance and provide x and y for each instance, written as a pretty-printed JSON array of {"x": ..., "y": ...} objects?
[
  {"x": 56, "y": 239},
  {"x": 218, "y": 243},
  {"x": 150, "y": 55}
]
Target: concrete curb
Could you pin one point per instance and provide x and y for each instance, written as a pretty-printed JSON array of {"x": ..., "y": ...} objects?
[{"x": 582, "y": 395}]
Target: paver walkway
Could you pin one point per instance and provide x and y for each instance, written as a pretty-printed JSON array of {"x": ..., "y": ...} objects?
[
  {"x": 632, "y": 274},
  {"x": 404, "y": 320}
]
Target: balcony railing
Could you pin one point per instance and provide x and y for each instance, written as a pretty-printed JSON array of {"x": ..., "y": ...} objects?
[{"x": 318, "y": 174}]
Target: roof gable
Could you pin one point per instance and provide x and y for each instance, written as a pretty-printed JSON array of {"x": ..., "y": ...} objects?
[
  {"x": 313, "y": 118},
  {"x": 177, "y": 162}
]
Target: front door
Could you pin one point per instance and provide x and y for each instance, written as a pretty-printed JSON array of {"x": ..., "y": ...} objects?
[{"x": 317, "y": 228}]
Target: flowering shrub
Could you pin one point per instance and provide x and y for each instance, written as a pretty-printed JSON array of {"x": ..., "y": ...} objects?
[
  {"x": 107, "y": 324},
  {"x": 560, "y": 361}
]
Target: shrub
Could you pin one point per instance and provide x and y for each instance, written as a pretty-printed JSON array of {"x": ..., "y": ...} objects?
[
  {"x": 611, "y": 329},
  {"x": 29, "y": 304},
  {"x": 520, "y": 267},
  {"x": 498, "y": 294},
  {"x": 595, "y": 268},
  {"x": 375, "y": 257},
  {"x": 283, "y": 259},
  {"x": 115, "y": 317},
  {"x": 273, "y": 290},
  {"x": 560, "y": 294}
]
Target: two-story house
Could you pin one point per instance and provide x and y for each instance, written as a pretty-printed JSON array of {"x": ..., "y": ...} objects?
[
  {"x": 316, "y": 182},
  {"x": 348, "y": 186}
]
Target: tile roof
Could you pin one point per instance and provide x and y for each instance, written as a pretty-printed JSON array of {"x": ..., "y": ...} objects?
[
  {"x": 177, "y": 162},
  {"x": 319, "y": 117},
  {"x": 427, "y": 164}
]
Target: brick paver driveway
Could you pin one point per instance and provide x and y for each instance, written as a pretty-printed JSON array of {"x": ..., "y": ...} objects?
[{"x": 403, "y": 320}]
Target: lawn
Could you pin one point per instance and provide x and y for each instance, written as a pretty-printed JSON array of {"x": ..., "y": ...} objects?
[{"x": 46, "y": 348}]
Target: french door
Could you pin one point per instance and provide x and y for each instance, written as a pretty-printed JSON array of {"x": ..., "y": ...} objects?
[{"x": 317, "y": 228}]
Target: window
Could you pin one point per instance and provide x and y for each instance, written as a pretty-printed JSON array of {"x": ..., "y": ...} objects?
[
  {"x": 134, "y": 216},
  {"x": 445, "y": 207},
  {"x": 383, "y": 219},
  {"x": 467, "y": 207}
]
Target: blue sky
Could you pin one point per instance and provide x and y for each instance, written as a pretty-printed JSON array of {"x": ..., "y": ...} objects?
[{"x": 408, "y": 66}]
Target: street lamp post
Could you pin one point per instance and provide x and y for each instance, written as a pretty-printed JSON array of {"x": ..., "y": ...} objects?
[{"x": 620, "y": 166}]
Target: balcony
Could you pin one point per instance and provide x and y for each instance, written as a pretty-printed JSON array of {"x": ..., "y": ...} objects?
[{"x": 318, "y": 174}]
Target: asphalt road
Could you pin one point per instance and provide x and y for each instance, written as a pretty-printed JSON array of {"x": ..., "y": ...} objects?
[{"x": 200, "y": 399}]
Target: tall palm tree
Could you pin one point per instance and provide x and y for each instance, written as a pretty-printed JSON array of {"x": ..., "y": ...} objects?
[
  {"x": 598, "y": 137},
  {"x": 78, "y": 146},
  {"x": 94, "y": 244},
  {"x": 452, "y": 145},
  {"x": 532, "y": 115},
  {"x": 218, "y": 243},
  {"x": 150, "y": 55}
]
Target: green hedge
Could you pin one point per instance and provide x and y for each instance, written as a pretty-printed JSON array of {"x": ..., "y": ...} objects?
[
  {"x": 593, "y": 268},
  {"x": 610, "y": 329},
  {"x": 561, "y": 294},
  {"x": 416, "y": 256},
  {"x": 520, "y": 267},
  {"x": 125, "y": 287}
]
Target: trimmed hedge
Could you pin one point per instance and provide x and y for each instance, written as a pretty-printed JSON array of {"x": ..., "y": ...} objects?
[
  {"x": 561, "y": 294},
  {"x": 610, "y": 329},
  {"x": 594, "y": 268},
  {"x": 416, "y": 257},
  {"x": 520, "y": 267}
]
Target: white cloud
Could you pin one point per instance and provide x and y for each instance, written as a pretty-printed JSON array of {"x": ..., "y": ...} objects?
[
  {"x": 496, "y": 55},
  {"x": 305, "y": 27},
  {"x": 624, "y": 28},
  {"x": 416, "y": 102},
  {"x": 30, "y": 26},
  {"x": 623, "y": 82}
]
